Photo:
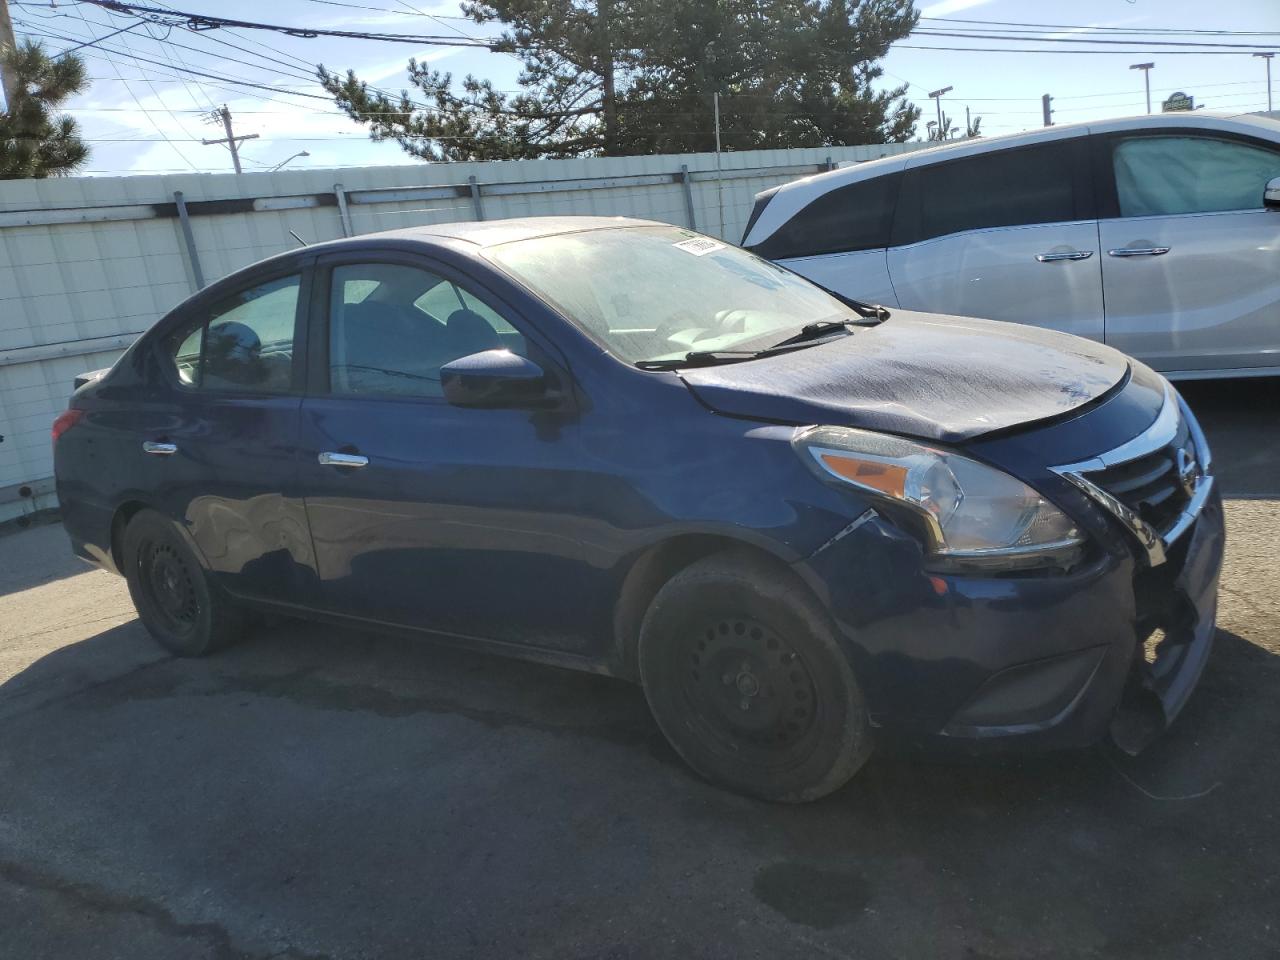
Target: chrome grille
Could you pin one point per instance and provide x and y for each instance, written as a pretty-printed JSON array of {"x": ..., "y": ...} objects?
[
  {"x": 1156, "y": 484},
  {"x": 1150, "y": 485}
]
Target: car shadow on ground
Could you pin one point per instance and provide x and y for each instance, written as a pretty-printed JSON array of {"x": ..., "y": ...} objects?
[{"x": 401, "y": 768}]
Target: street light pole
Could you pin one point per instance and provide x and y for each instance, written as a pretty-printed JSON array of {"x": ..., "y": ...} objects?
[
  {"x": 937, "y": 99},
  {"x": 1267, "y": 57},
  {"x": 1146, "y": 76}
]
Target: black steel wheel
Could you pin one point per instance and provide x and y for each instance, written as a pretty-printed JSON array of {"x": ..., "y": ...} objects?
[
  {"x": 745, "y": 677},
  {"x": 170, "y": 591}
]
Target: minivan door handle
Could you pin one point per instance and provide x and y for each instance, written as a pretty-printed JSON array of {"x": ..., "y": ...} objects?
[
  {"x": 159, "y": 448},
  {"x": 349, "y": 461},
  {"x": 1139, "y": 251},
  {"x": 1064, "y": 255}
]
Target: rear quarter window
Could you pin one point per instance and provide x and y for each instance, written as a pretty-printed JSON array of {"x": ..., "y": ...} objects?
[{"x": 848, "y": 218}]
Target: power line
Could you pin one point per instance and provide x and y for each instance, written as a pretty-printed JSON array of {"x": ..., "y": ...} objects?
[
  {"x": 1107, "y": 29},
  {"x": 1044, "y": 50},
  {"x": 1197, "y": 44},
  {"x": 152, "y": 119},
  {"x": 198, "y": 21},
  {"x": 402, "y": 13},
  {"x": 204, "y": 74}
]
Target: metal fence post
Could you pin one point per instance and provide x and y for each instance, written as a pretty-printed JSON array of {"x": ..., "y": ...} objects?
[
  {"x": 196, "y": 273},
  {"x": 476, "y": 202},
  {"x": 343, "y": 212},
  {"x": 688, "y": 196}
]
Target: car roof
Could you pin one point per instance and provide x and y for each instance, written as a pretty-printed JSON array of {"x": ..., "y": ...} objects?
[
  {"x": 466, "y": 236},
  {"x": 791, "y": 198}
]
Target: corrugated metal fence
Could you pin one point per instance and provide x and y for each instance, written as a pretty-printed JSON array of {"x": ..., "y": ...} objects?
[{"x": 87, "y": 264}]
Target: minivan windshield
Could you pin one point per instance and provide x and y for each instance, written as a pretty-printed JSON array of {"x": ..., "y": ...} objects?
[{"x": 657, "y": 293}]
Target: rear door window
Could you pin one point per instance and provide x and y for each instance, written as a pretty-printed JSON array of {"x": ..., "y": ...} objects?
[
  {"x": 1045, "y": 183},
  {"x": 244, "y": 343},
  {"x": 849, "y": 218},
  {"x": 1158, "y": 176}
]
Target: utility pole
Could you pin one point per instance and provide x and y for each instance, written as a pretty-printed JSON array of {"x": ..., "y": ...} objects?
[
  {"x": 1265, "y": 56},
  {"x": 1146, "y": 76},
  {"x": 9, "y": 83},
  {"x": 1048, "y": 110},
  {"x": 715, "y": 105},
  {"x": 231, "y": 140},
  {"x": 936, "y": 96}
]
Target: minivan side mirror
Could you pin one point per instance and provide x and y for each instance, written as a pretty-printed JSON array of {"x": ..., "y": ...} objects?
[
  {"x": 493, "y": 378},
  {"x": 1271, "y": 194}
]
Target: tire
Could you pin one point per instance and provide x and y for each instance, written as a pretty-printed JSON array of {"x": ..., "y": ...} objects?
[
  {"x": 170, "y": 591},
  {"x": 743, "y": 673}
]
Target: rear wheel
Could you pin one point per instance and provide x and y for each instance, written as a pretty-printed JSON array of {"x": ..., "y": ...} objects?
[
  {"x": 745, "y": 677},
  {"x": 170, "y": 591}
]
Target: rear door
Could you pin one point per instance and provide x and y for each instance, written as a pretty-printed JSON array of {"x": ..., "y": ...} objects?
[
  {"x": 1191, "y": 260},
  {"x": 431, "y": 515},
  {"x": 216, "y": 438},
  {"x": 1003, "y": 234}
]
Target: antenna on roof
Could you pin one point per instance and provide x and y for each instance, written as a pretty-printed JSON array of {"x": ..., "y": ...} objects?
[{"x": 301, "y": 242}]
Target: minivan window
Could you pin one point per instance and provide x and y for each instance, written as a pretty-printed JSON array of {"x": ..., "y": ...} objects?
[
  {"x": 853, "y": 217},
  {"x": 244, "y": 343},
  {"x": 1158, "y": 176},
  {"x": 1004, "y": 188}
]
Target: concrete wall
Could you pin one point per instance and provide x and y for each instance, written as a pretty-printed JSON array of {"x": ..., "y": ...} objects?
[{"x": 87, "y": 264}]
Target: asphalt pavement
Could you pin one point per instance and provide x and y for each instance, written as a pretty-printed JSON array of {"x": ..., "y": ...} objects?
[{"x": 324, "y": 793}]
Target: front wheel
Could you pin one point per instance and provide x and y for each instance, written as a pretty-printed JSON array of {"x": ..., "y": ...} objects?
[
  {"x": 174, "y": 599},
  {"x": 744, "y": 675}
]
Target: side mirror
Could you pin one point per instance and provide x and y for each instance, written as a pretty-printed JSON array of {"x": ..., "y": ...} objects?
[
  {"x": 493, "y": 378},
  {"x": 1271, "y": 194}
]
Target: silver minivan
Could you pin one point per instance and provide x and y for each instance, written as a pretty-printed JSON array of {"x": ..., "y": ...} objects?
[{"x": 1158, "y": 235}]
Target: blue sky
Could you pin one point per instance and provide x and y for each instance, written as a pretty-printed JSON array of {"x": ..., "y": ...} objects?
[{"x": 140, "y": 118}]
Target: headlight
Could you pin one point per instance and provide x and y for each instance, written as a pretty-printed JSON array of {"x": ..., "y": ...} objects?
[{"x": 972, "y": 514}]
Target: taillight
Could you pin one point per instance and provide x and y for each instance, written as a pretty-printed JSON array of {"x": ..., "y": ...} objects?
[{"x": 66, "y": 420}]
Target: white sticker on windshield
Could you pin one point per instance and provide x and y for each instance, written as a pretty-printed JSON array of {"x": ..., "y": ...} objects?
[{"x": 699, "y": 246}]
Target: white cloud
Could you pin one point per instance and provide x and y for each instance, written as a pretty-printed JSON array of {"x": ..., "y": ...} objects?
[{"x": 946, "y": 7}]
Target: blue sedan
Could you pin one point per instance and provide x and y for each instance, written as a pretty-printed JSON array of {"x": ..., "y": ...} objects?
[{"x": 801, "y": 522}]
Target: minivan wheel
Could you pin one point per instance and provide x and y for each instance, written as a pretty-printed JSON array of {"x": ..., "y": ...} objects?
[
  {"x": 744, "y": 675},
  {"x": 170, "y": 591}
]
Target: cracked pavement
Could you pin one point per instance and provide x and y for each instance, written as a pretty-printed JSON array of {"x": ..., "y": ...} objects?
[{"x": 325, "y": 793}]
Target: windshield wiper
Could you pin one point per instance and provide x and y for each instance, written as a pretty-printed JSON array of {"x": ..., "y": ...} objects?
[
  {"x": 819, "y": 329},
  {"x": 710, "y": 358}
]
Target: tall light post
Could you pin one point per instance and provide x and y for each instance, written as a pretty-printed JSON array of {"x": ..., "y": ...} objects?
[
  {"x": 937, "y": 99},
  {"x": 1146, "y": 76},
  {"x": 1267, "y": 57}
]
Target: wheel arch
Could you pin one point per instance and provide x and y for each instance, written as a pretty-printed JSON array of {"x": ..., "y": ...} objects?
[
  {"x": 656, "y": 565},
  {"x": 125, "y": 511}
]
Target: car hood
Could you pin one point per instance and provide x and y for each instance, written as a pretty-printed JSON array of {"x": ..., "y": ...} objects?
[{"x": 917, "y": 374}]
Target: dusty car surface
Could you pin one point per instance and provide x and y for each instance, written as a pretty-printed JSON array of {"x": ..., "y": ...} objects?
[{"x": 619, "y": 446}]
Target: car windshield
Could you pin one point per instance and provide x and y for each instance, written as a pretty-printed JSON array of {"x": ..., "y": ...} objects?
[{"x": 657, "y": 293}]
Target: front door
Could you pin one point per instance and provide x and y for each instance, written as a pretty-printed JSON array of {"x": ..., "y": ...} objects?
[
  {"x": 1191, "y": 260},
  {"x": 424, "y": 514},
  {"x": 1003, "y": 235}
]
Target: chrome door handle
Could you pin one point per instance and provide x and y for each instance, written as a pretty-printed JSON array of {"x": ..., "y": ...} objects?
[
  {"x": 349, "y": 461},
  {"x": 159, "y": 449},
  {"x": 1064, "y": 255},
  {"x": 1139, "y": 251}
]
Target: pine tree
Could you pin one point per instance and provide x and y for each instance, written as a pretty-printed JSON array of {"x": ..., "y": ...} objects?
[
  {"x": 35, "y": 139},
  {"x": 615, "y": 77}
]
